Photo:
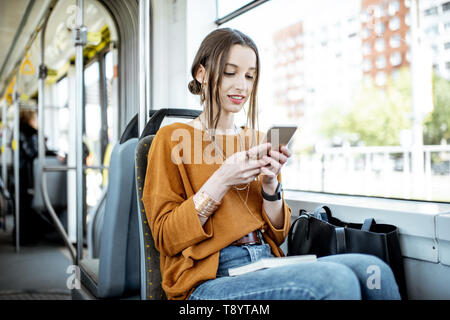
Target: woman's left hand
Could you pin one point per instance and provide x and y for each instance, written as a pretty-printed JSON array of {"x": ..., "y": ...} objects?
[{"x": 276, "y": 161}]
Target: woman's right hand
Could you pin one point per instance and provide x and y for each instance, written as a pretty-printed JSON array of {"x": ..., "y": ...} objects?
[
  {"x": 240, "y": 168},
  {"x": 243, "y": 167}
]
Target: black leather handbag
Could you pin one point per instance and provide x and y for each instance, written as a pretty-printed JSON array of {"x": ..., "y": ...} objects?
[{"x": 322, "y": 234}]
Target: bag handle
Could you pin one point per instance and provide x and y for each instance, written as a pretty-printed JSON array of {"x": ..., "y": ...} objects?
[
  {"x": 324, "y": 208},
  {"x": 368, "y": 223},
  {"x": 341, "y": 246}
]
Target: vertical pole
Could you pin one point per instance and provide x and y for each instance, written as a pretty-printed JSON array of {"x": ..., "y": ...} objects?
[
  {"x": 41, "y": 82},
  {"x": 79, "y": 35},
  {"x": 142, "y": 65},
  {"x": 4, "y": 134},
  {"x": 4, "y": 171},
  {"x": 322, "y": 173},
  {"x": 367, "y": 172},
  {"x": 103, "y": 110},
  {"x": 148, "y": 80},
  {"x": 407, "y": 175},
  {"x": 144, "y": 62},
  {"x": 417, "y": 104},
  {"x": 429, "y": 190},
  {"x": 115, "y": 96},
  {"x": 16, "y": 148}
]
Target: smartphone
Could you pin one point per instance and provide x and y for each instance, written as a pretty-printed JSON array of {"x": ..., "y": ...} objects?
[{"x": 279, "y": 136}]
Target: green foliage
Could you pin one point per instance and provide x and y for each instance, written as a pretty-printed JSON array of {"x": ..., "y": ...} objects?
[
  {"x": 437, "y": 123},
  {"x": 376, "y": 117}
]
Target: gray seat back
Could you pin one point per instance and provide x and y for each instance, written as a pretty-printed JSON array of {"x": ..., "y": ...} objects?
[
  {"x": 56, "y": 186},
  {"x": 94, "y": 232},
  {"x": 119, "y": 248},
  {"x": 151, "y": 288}
]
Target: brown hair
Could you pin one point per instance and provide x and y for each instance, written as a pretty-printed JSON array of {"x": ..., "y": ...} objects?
[
  {"x": 27, "y": 115},
  {"x": 212, "y": 55}
]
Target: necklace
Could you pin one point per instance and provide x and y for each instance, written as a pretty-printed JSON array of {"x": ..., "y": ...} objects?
[{"x": 218, "y": 150}]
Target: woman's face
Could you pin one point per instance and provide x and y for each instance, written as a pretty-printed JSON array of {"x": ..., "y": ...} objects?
[
  {"x": 237, "y": 80},
  {"x": 33, "y": 121}
]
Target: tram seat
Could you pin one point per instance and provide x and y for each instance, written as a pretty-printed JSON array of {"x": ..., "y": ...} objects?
[
  {"x": 151, "y": 288},
  {"x": 56, "y": 186},
  {"x": 115, "y": 274},
  {"x": 94, "y": 232},
  {"x": 96, "y": 222}
]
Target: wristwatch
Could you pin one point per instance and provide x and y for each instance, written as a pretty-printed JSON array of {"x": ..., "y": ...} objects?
[{"x": 274, "y": 197}]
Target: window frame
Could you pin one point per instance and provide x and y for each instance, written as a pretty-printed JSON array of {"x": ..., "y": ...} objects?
[
  {"x": 236, "y": 13},
  {"x": 380, "y": 25}
]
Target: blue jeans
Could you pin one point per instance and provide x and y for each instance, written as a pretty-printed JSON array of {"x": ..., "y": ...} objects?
[{"x": 338, "y": 277}]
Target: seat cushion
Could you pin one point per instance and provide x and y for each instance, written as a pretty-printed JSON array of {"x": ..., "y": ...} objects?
[
  {"x": 89, "y": 275},
  {"x": 91, "y": 268}
]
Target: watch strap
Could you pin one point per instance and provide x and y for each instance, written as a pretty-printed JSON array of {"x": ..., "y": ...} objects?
[{"x": 273, "y": 197}]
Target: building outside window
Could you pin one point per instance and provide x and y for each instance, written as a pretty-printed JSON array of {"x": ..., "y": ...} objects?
[
  {"x": 380, "y": 79},
  {"x": 431, "y": 11},
  {"x": 394, "y": 7},
  {"x": 367, "y": 65},
  {"x": 379, "y": 44},
  {"x": 365, "y": 33},
  {"x": 394, "y": 23},
  {"x": 350, "y": 93},
  {"x": 395, "y": 41},
  {"x": 379, "y": 28},
  {"x": 395, "y": 59},
  {"x": 367, "y": 48},
  {"x": 381, "y": 62},
  {"x": 407, "y": 19},
  {"x": 378, "y": 11}
]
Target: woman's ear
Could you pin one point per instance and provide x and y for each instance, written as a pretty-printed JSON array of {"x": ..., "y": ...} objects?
[{"x": 201, "y": 74}]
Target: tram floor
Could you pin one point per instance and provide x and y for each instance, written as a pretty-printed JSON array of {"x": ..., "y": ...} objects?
[{"x": 36, "y": 272}]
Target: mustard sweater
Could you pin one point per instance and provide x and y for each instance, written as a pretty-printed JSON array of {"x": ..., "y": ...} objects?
[{"x": 180, "y": 161}]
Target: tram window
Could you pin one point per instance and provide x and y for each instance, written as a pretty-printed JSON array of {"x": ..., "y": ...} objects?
[
  {"x": 92, "y": 132},
  {"x": 62, "y": 100},
  {"x": 356, "y": 132}
]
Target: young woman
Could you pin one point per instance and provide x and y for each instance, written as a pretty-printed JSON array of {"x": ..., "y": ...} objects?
[{"x": 213, "y": 200}]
